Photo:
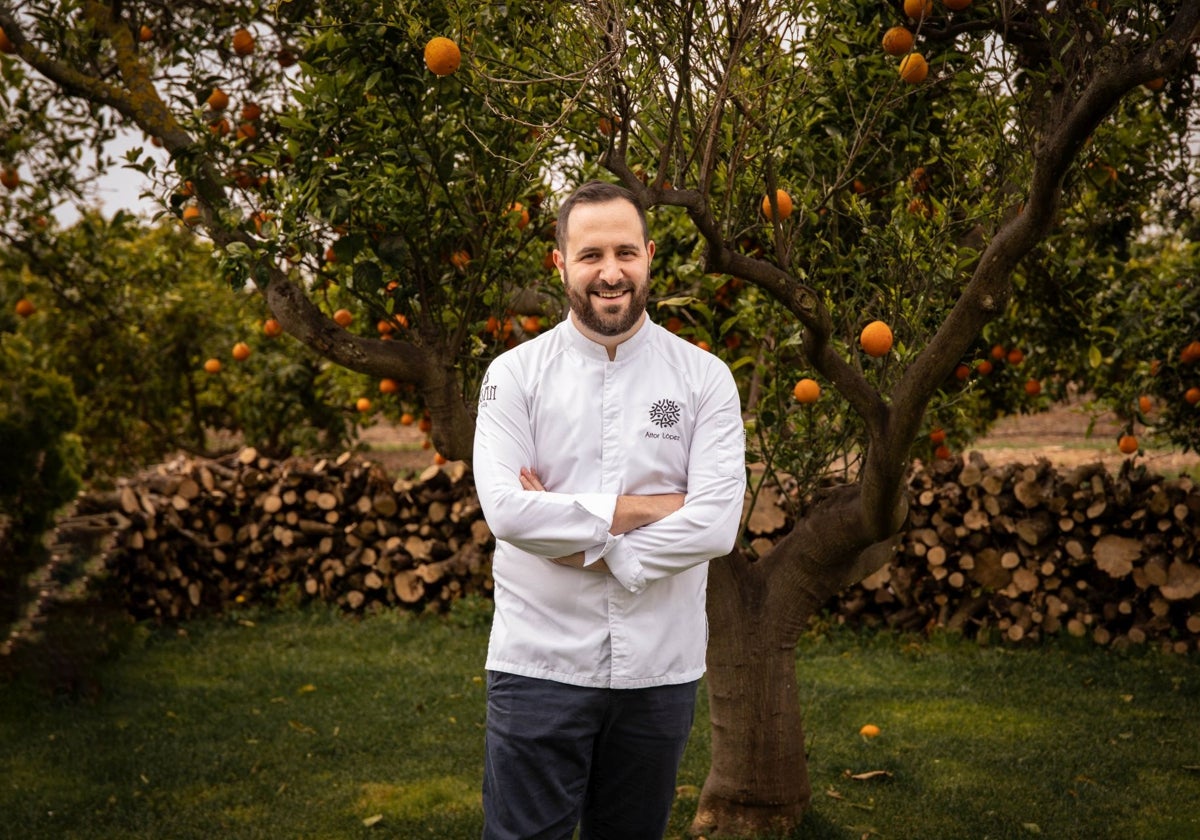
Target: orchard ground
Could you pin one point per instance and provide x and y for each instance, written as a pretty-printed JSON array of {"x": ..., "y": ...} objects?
[{"x": 1060, "y": 435}]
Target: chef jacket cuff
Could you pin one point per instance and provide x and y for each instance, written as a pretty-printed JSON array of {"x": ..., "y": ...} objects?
[{"x": 623, "y": 562}]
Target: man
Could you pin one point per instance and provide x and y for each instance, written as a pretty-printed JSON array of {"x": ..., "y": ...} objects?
[{"x": 610, "y": 464}]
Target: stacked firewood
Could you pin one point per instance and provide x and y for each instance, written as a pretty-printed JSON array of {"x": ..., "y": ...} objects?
[
  {"x": 199, "y": 536},
  {"x": 1017, "y": 552},
  {"x": 1024, "y": 551}
]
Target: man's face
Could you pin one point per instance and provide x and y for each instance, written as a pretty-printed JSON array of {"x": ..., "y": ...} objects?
[{"x": 606, "y": 268}]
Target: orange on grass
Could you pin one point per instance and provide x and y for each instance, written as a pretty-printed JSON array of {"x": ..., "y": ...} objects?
[
  {"x": 1033, "y": 387},
  {"x": 876, "y": 339},
  {"x": 25, "y": 307},
  {"x": 241, "y": 351},
  {"x": 10, "y": 178},
  {"x": 870, "y": 730},
  {"x": 938, "y": 436},
  {"x": 243, "y": 42},
  {"x": 388, "y": 386},
  {"x": 782, "y": 200},
  {"x": 1128, "y": 444},
  {"x": 918, "y": 9},
  {"x": 1192, "y": 396},
  {"x": 897, "y": 41},
  {"x": 806, "y": 391},
  {"x": 363, "y": 405},
  {"x": 442, "y": 56},
  {"x": 272, "y": 328},
  {"x": 218, "y": 100},
  {"x": 191, "y": 216},
  {"x": 343, "y": 317},
  {"x": 212, "y": 366},
  {"x": 914, "y": 68}
]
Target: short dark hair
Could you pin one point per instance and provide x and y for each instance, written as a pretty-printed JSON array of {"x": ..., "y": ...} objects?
[{"x": 596, "y": 192}]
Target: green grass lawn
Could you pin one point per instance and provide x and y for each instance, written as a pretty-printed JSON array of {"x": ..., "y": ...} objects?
[{"x": 307, "y": 725}]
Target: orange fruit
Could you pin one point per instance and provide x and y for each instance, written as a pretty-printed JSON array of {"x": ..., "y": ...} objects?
[
  {"x": 938, "y": 436},
  {"x": 918, "y": 9},
  {"x": 782, "y": 200},
  {"x": 385, "y": 326},
  {"x": 956, "y": 5},
  {"x": 219, "y": 127},
  {"x": 460, "y": 260},
  {"x": 869, "y": 730},
  {"x": 343, "y": 317},
  {"x": 25, "y": 307},
  {"x": 243, "y": 42},
  {"x": 1155, "y": 84},
  {"x": 191, "y": 216},
  {"x": 704, "y": 345},
  {"x": 897, "y": 41},
  {"x": 1145, "y": 404},
  {"x": 984, "y": 368},
  {"x": 919, "y": 178},
  {"x": 1192, "y": 396},
  {"x": 1015, "y": 356},
  {"x": 442, "y": 56},
  {"x": 674, "y": 324},
  {"x": 212, "y": 366},
  {"x": 1128, "y": 444},
  {"x": 806, "y": 391},
  {"x": 518, "y": 209},
  {"x": 920, "y": 207},
  {"x": 10, "y": 178},
  {"x": 247, "y": 131},
  {"x": 531, "y": 324},
  {"x": 962, "y": 372},
  {"x": 1033, "y": 387},
  {"x": 218, "y": 100},
  {"x": 251, "y": 111},
  {"x": 6, "y": 45},
  {"x": 998, "y": 352},
  {"x": 1190, "y": 353},
  {"x": 241, "y": 351},
  {"x": 876, "y": 339},
  {"x": 363, "y": 405},
  {"x": 914, "y": 68},
  {"x": 272, "y": 328},
  {"x": 145, "y": 33},
  {"x": 942, "y": 453},
  {"x": 388, "y": 386},
  {"x": 406, "y": 419},
  {"x": 425, "y": 425}
]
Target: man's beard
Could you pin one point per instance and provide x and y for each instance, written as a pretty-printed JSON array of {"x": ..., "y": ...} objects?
[{"x": 591, "y": 310}]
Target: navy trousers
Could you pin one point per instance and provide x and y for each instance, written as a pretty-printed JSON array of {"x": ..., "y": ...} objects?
[{"x": 561, "y": 756}]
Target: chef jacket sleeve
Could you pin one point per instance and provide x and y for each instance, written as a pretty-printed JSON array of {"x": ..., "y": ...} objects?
[
  {"x": 707, "y": 524},
  {"x": 546, "y": 524}
]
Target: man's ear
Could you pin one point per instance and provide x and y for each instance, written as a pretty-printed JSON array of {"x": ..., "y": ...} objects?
[
  {"x": 559, "y": 262},
  {"x": 650, "y": 249}
]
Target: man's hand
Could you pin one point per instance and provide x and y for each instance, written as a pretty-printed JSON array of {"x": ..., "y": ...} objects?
[{"x": 530, "y": 481}]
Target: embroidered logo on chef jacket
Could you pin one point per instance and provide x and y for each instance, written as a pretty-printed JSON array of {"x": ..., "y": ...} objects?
[{"x": 664, "y": 414}]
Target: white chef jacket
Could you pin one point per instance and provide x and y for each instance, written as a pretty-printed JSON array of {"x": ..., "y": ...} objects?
[{"x": 663, "y": 417}]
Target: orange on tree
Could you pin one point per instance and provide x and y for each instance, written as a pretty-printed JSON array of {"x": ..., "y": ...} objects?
[
  {"x": 876, "y": 339},
  {"x": 442, "y": 56},
  {"x": 272, "y": 328},
  {"x": 897, "y": 41},
  {"x": 782, "y": 200},
  {"x": 806, "y": 391},
  {"x": 942, "y": 453},
  {"x": 1033, "y": 387},
  {"x": 218, "y": 100},
  {"x": 191, "y": 215},
  {"x": 460, "y": 260},
  {"x": 962, "y": 372},
  {"x": 25, "y": 307},
  {"x": 219, "y": 127},
  {"x": 984, "y": 367},
  {"x": 704, "y": 345},
  {"x": 1145, "y": 404},
  {"x": 243, "y": 42},
  {"x": 918, "y": 9},
  {"x": 145, "y": 33},
  {"x": 1128, "y": 444},
  {"x": 6, "y": 44},
  {"x": 212, "y": 366},
  {"x": 343, "y": 317},
  {"x": 531, "y": 324},
  {"x": 1192, "y": 396},
  {"x": 251, "y": 111},
  {"x": 522, "y": 214},
  {"x": 1190, "y": 353},
  {"x": 388, "y": 386},
  {"x": 439, "y": 458},
  {"x": 914, "y": 68},
  {"x": 1015, "y": 356},
  {"x": 938, "y": 436},
  {"x": 425, "y": 424},
  {"x": 10, "y": 178},
  {"x": 406, "y": 419},
  {"x": 363, "y": 405},
  {"x": 998, "y": 352},
  {"x": 241, "y": 351}
]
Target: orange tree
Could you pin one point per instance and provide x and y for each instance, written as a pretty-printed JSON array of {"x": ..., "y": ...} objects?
[{"x": 370, "y": 183}]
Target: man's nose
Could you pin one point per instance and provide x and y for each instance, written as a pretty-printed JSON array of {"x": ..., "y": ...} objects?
[{"x": 610, "y": 269}]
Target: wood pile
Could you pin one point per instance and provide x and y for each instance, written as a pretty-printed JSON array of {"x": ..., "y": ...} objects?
[
  {"x": 197, "y": 536},
  {"x": 1018, "y": 552},
  {"x": 1023, "y": 552}
]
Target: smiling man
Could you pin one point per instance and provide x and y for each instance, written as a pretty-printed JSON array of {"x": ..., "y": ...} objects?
[{"x": 610, "y": 464}]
